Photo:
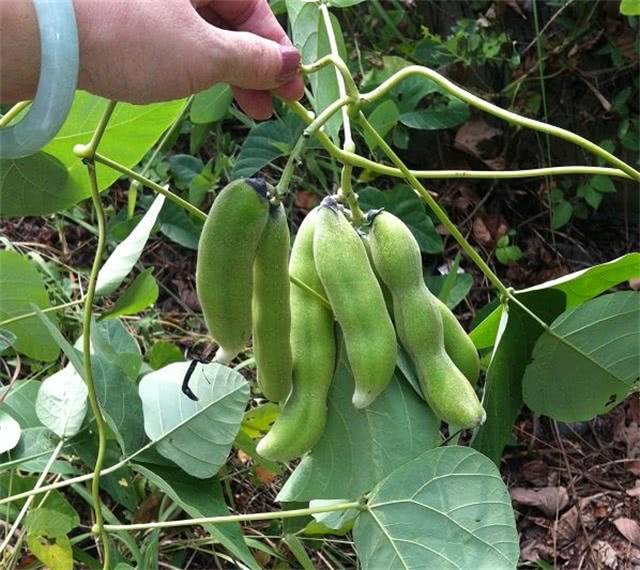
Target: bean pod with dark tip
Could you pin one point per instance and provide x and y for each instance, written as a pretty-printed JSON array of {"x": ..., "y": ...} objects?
[
  {"x": 313, "y": 345},
  {"x": 357, "y": 302},
  {"x": 270, "y": 307},
  {"x": 224, "y": 270},
  {"x": 418, "y": 320}
]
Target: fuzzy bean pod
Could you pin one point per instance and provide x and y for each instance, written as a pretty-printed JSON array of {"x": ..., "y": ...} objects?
[
  {"x": 270, "y": 308},
  {"x": 418, "y": 320},
  {"x": 313, "y": 345},
  {"x": 357, "y": 302},
  {"x": 224, "y": 270}
]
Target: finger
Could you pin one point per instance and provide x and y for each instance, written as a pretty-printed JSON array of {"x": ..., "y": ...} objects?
[
  {"x": 246, "y": 60},
  {"x": 256, "y": 104}
]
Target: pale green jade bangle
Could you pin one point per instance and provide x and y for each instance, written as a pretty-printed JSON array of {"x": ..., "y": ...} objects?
[{"x": 56, "y": 86}]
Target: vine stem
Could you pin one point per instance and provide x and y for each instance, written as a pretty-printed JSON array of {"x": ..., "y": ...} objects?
[
  {"x": 509, "y": 116},
  {"x": 28, "y": 502},
  {"x": 197, "y": 212},
  {"x": 34, "y": 314},
  {"x": 435, "y": 207},
  {"x": 317, "y": 123},
  {"x": 359, "y": 161},
  {"x": 346, "y": 85},
  {"x": 13, "y": 112},
  {"x": 238, "y": 518},
  {"x": 86, "y": 357}
]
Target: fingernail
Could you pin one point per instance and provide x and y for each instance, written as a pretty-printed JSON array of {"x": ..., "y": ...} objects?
[{"x": 290, "y": 63}]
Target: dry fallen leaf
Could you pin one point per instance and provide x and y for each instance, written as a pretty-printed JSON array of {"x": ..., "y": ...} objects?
[
  {"x": 567, "y": 527},
  {"x": 628, "y": 528},
  {"x": 265, "y": 476},
  {"x": 549, "y": 500},
  {"x": 634, "y": 491},
  {"x": 479, "y": 139}
]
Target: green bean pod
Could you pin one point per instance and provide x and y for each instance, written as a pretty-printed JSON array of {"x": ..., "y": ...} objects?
[
  {"x": 313, "y": 345},
  {"x": 270, "y": 308},
  {"x": 458, "y": 344},
  {"x": 224, "y": 270},
  {"x": 418, "y": 320},
  {"x": 357, "y": 302}
]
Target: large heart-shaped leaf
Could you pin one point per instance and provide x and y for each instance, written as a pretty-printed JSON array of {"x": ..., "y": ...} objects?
[
  {"x": 588, "y": 360},
  {"x": 130, "y": 133},
  {"x": 447, "y": 508},
  {"x": 21, "y": 286},
  {"x": 360, "y": 447},
  {"x": 197, "y": 436},
  {"x": 62, "y": 402}
]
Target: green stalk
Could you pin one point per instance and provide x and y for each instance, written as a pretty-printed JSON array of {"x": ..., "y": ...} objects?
[
  {"x": 283, "y": 184},
  {"x": 510, "y": 117},
  {"x": 356, "y": 160},
  {"x": 238, "y": 518},
  {"x": 437, "y": 210},
  {"x": 34, "y": 314},
  {"x": 13, "y": 112},
  {"x": 88, "y": 151},
  {"x": 88, "y": 372},
  {"x": 151, "y": 185}
]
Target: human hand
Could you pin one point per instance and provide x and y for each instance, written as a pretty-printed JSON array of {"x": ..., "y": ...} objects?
[{"x": 145, "y": 51}]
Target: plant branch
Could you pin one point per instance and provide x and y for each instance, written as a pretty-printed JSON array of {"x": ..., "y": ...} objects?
[
  {"x": 238, "y": 518},
  {"x": 86, "y": 357},
  {"x": 509, "y": 116},
  {"x": 359, "y": 161},
  {"x": 151, "y": 185},
  {"x": 437, "y": 210},
  {"x": 34, "y": 314},
  {"x": 13, "y": 112}
]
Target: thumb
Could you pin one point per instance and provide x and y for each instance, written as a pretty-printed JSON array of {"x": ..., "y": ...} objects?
[{"x": 246, "y": 60}]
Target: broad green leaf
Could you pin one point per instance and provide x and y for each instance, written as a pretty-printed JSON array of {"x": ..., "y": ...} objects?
[
  {"x": 561, "y": 214},
  {"x": 112, "y": 340},
  {"x": 360, "y": 447},
  {"x": 119, "y": 401},
  {"x": 447, "y": 508},
  {"x": 131, "y": 132},
  {"x": 20, "y": 402},
  {"x": 266, "y": 142},
  {"x": 578, "y": 288},
  {"x": 54, "y": 517},
  {"x": 630, "y": 7},
  {"x": 200, "y": 498},
  {"x": 460, "y": 289},
  {"x": 452, "y": 114},
  {"x": 126, "y": 254},
  {"x": 34, "y": 449},
  {"x": 9, "y": 432},
  {"x": 197, "y": 436},
  {"x": 179, "y": 226},
  {"x": 21, "y": 286},
  {"x": 55, "y": 554},
  {"x": 588, "y": 283},
  {"x": 142, "y": 293},
  {"x": 120, "y": 483},
  {"x": 588, "y": 361},
  {"x": 211, "y": 105},
  {"x": 26, "y": 181},
  {"x": 184, "y": 168},
  {"x": 62, "y": 402},
  {"x": 162, "y": 353},
  {"x": 402, "y": 202},
  {"x": 602, "y": 183},
  {"x": 7, "y": 339},
  {"x": 503, "y": 387},
  {"x": 337, "y": 519},
  {"x": 383, "y": 118}
]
